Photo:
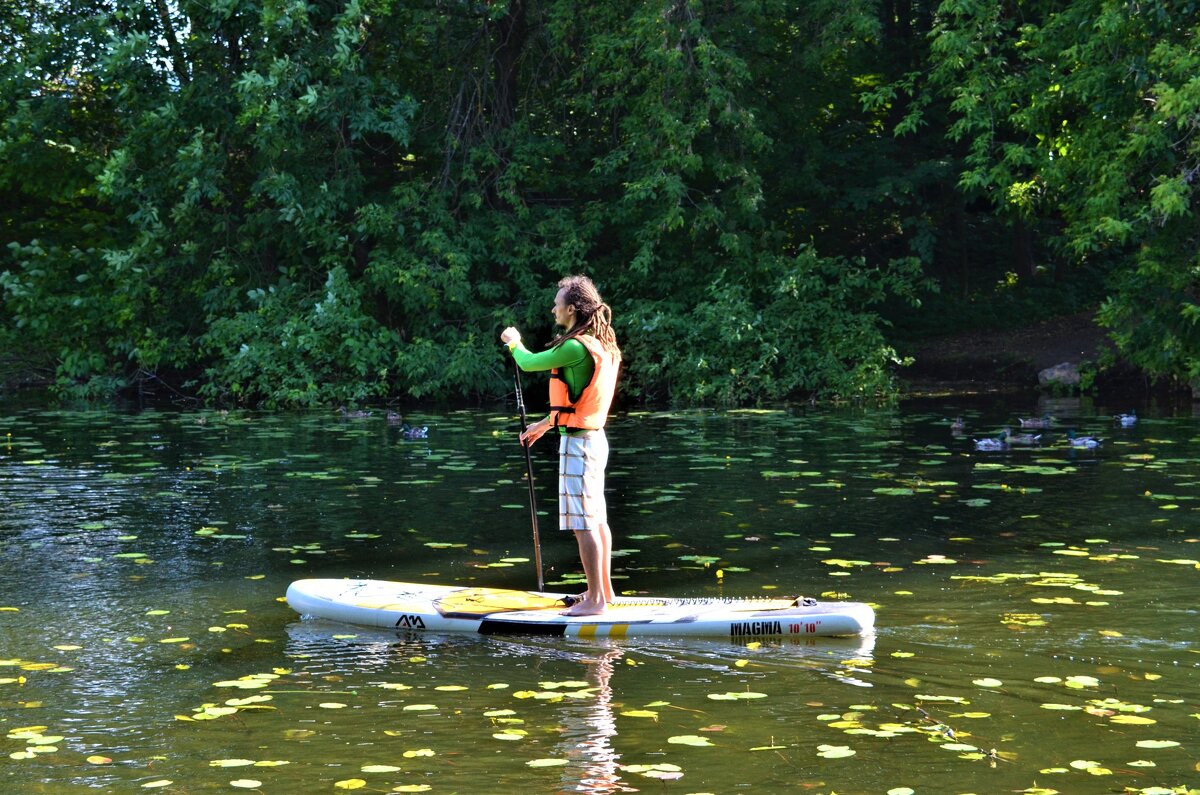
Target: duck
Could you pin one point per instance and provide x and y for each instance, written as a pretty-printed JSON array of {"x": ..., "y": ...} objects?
[
  {"x": 413, "y": 432},
  {"x": 1126, "y": 420},
  {"x": 1043, "y": 421},
  {"x": 394, "y": 417},
  {"x": 997, "y": 443},
  {"x": 1022, "y": 439},
  {"x": 1083, "y": 441},
  {"x": 353, "y": 415},
  {"x": 958, "y": 426}
]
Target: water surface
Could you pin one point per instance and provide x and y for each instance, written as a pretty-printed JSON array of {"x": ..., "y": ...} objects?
[{"x": 1036, "y": 607}]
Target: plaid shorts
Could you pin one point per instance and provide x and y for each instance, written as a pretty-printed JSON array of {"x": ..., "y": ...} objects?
[{"x": 581, "y": 461}]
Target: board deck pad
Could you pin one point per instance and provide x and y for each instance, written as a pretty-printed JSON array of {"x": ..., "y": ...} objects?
[{"x": 447, "y": 608}]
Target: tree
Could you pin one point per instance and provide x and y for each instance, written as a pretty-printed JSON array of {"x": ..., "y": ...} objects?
[
  {"x": 1086, "y": 113},
  {"x": 312, "y": 202}
]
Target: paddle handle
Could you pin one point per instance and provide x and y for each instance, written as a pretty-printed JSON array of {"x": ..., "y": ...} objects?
[{"x": 537, "y": 543}]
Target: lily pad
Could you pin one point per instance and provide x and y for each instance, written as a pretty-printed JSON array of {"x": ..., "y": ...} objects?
[{"x": 689, "y": 739}]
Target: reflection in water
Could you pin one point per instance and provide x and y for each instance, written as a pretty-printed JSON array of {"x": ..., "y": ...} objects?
[
  {"x": 843, "y": 659},
  {"x": 588, "y": 729}
]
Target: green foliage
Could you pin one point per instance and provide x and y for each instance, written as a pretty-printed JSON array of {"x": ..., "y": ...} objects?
[
  {"x": 55, "y": 116},
  {"x": 801, "y": 329},
  {"x": 295, "y": 204},
  {"x": 287, "y": 203},
  {"x": 1086, "y": 113},
  {"x": 293, "y": 350}
]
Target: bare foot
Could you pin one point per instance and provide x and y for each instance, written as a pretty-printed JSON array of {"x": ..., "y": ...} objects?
[{"x": 586, "y": 608}]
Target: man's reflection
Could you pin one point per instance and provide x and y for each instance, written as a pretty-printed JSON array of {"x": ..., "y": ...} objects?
[{"x": 588, "y": 728}]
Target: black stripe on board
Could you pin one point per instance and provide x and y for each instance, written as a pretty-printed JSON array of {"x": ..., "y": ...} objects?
[{"x": 492, "y": 627}]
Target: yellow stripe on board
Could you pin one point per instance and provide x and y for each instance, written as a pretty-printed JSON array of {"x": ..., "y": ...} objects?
[{"x": 591, "y": 630}]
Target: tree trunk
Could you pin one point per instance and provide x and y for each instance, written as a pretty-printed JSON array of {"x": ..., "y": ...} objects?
[
  {"x": 178, "y": 62},
  {"x": 1022, "y": 249}
]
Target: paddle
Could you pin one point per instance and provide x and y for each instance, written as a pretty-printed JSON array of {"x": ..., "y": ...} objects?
[{"x": 537, "y": 544}]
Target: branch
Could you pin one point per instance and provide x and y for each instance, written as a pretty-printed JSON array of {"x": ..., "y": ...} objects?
[{"x": 177, "y": 59}]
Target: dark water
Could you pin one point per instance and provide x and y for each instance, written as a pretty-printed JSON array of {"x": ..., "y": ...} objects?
[{"x": 1036, "y": 608}]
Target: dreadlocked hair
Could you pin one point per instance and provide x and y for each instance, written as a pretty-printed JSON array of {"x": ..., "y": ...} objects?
[{"x": 592, "y": 315}]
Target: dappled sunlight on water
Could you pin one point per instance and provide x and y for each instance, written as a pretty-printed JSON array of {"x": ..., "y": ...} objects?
[{"x": 1037, "y": 621}]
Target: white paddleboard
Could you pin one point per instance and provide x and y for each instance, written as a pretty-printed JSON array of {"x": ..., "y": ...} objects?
[{"x": 497, "y": 611}]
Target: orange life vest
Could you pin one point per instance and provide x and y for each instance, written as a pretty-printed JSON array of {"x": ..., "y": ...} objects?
[{"x": 591, "y": 409}]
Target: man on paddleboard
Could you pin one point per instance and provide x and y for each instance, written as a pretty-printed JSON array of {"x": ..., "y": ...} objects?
[{"x": 583, "y": 362}]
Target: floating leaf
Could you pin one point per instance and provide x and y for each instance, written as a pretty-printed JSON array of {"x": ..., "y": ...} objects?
[
  {"x": 735, "y": 696},
  {"x": 546, "y": 762},
  {"x": 46, "y": 740},
  {"x": 1156, "y": 744},
  {"x": 379, "y": 769},
  {"x": 350, "y": 783},
  {"x": 641, "y": 713},
  {"x": 835, "y": 751},
  {"x": 663, "y": 766},
  {"x": 1079, "y": 682},
  {"x": 689, "y": 739},
  {"x": 1132, "y": 720},
  {"x": 952, "y": 699},
  {"x": 987, "y": 682},
  {"x": 245, "y": 783}
]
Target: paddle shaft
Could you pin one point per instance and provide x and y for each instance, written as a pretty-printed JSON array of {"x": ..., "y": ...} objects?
[{"x": 537, "y": 543}]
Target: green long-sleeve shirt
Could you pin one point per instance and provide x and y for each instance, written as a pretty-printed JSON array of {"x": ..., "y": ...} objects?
[{"x": 571, "y": 359}]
